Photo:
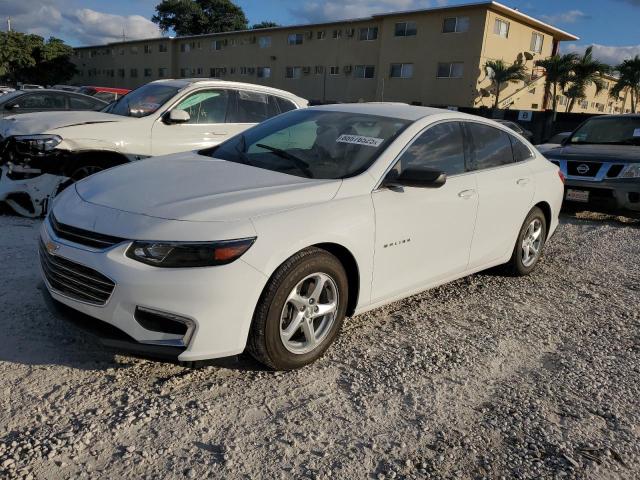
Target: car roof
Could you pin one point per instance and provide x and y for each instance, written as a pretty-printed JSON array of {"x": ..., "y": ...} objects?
[
  {"x": 402, "y": 111},
  {"x": 215, "y": 82}
]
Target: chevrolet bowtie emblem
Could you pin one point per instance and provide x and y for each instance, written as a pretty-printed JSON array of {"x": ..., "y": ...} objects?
[{"x": 52, "y": 248}]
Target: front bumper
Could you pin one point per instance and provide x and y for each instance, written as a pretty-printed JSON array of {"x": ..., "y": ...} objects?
[
  {"x": 218, "y": 302},
  {"x": 30, "y": 195},
  {"x": 608, "y": 196}
]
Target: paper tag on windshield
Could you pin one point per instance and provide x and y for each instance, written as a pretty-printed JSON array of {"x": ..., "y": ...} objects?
[
  {"x": 360, "y": 140},
  {"x": 636, "y": 132}
]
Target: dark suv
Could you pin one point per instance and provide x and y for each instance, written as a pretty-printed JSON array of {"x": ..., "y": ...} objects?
[{"x": 601, "y": 163}]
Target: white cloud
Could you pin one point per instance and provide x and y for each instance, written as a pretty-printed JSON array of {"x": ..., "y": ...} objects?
[
  {"x": 328, "y": 10},
  {"x": 605, "y": 53},
  {"x": 572, "y": 16},
  {"x": 80, "y": 26}
]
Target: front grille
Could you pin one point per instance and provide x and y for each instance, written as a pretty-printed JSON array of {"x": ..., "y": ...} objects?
[
  {"x": 83, "y": 237},
  {"x": 74, "y": 280},
  {"x": 614, "y": 170},
  {"x": 583, "y": 169}
]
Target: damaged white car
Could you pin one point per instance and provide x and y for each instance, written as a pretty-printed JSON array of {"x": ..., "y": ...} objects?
[{"x": 42, "y": 153}]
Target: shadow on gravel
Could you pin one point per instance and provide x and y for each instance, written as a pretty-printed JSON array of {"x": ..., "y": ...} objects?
[{"x": 582, "y": 217}]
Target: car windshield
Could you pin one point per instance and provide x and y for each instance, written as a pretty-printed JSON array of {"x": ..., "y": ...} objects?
[
  {"x": 142, "y": 101},
  {"x": 609, "y": 131},
  {"x": 313, "y": 143}
]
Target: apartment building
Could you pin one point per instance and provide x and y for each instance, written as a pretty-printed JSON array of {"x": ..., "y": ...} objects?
[{"x": 428, "y": 57}]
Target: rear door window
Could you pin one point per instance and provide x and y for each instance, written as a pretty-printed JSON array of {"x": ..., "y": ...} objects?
[
  {"x": 253, "y": 107},
  {"x": 490, "y": 146},
  {"x": 285, "y": 105}
]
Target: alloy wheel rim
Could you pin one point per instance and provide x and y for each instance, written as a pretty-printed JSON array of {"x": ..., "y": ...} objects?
[
  {"x": 309, "y": 313},
  {"x": 532, "y": 243}
]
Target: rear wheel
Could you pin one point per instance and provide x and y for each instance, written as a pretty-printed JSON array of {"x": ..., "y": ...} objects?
[
  {"x": 529, "y": 244},
  {"x": 301, "y": 311}
]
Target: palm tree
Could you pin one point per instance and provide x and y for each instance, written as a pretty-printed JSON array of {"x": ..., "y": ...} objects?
[
  {"x": 501, "y": 73},
  {"x": 629, "y": 80},
  {"x": 558, "y": 73},
  {"x": 585, "y": 71}
]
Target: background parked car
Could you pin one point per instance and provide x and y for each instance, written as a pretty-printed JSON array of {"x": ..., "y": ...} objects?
[
  {"x": 30, "y": 86},
  {"x": 108, "y": 94},
  {"x": 29, "y": 101},
  {"x": 553, "y": 142},
  {"x": 5, "y": 89},
  {"x": 601, "y": 163},
  {"x": 517, "y": 128},
  {"x": 66, "y": 88},
  {"x": 44, "y": 152}
]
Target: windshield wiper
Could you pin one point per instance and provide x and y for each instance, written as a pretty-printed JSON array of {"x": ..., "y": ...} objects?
[{"x": 298, "y": 162}]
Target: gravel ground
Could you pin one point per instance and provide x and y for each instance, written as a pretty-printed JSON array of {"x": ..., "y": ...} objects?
[{"x": 488, "y": 377}]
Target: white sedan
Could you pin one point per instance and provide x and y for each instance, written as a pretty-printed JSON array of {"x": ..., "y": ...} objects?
[{"x": 268, "y": 241}]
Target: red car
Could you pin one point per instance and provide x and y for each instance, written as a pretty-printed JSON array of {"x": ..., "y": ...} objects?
[{"x": 108, "y": 94}]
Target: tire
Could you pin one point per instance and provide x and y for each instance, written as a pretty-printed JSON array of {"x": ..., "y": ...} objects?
[
  {"x": 519, "y": 264},
  {"x": 279, "y": 308}
]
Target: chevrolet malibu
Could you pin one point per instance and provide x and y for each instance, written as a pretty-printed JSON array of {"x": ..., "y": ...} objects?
[{"x": 268, "y": 241}]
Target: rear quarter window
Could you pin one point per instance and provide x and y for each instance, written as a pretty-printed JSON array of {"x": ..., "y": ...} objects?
[{"x": 490, "y": 146}]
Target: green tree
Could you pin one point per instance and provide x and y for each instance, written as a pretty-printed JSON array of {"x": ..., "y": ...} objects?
[
  {"x": 502, "y": 73},
  {"x": 586, "y": 70},
  {"x": 195, "y": 17},
  {"x": 558, "y": 69},
  {"x": 265, "y": 24},
  {"x": 629, "y": 80},
  {"x": 16, "y": 53}
]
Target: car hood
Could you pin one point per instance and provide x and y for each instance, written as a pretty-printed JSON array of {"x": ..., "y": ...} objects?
[
  {"x": 44, "y": 122},
  {"x": 600, "y": 153},
  {"x": 192, "y": 187}
]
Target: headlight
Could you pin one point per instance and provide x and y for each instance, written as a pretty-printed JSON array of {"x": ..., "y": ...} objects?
[
  {"x": 188, "y": 254},
  {"x": 631, "y": 171},
  {"x": 36, "y": 144}
]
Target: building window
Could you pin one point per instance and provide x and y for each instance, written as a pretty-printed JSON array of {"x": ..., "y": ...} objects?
[
  {"x": 184, "y": 72},
  {"x": 147, "y": 49},
  {"x": 134, "y": 73},
  {"x": 534, "y": 106},
  {"x": 365, "y": 71},
  {"x": 264, "y": 72},
  {"x": 134, "y": 50},
  {"x": 147, "y": 72},
  {"x": 319, "y": 69},
  {"x": 295, "y": 39},
  {"x": 501, "y": 28},
  {"x": 334, "y": 70},
  {"x": 450, "y": 70},
  {"x": 584, "y": 104},
  {"x": 217, "y": 72},
  {"x": 243, "y": 70},
  {"x": 455, "y": 25},
  {"x": 406, "y": 29},
  {"x": 264, "y": 42},
  {"x": 293, "y": 72},
  {"x": 162, "y": 48},
  {"x": 185, "y": 48},
  {"x": 401, "y": 70},
  {"x": 368, "y": 33},
  {"x": 336, "y": 34},
  {"x": 120, "y": 72},
  {"x": 537, "y": 39},
  {"x": 199, "y": 71},
  {"x": 217, "y": 45},
  {"x": 162, "y": 72},
  {"x": 321, "y": 35}
]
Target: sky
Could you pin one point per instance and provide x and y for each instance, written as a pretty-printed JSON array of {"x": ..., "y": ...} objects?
[{"x": 612, "y": 26}]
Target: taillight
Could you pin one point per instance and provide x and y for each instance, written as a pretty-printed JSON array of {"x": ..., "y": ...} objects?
[{"x": 561, "y": 175}]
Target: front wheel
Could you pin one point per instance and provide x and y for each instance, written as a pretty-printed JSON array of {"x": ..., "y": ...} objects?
[
  {"x": 301, "y": 311},
  {"x": 529, "y": 244}
]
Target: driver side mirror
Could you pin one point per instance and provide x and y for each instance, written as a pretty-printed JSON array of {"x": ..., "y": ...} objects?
[
  {"x": 415, "y": 177},
  {"x": 177, "y": 116}
]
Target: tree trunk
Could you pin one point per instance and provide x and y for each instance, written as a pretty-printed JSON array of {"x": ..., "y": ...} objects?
[
  {"x": 554, "y": 102},
  {"x": 634, "y": 99},
  {"x": 495, "y": 105}
]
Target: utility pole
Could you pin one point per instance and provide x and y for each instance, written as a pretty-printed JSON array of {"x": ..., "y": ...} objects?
[
  {"x": 124, "y": 37},
  {"x": 8, "y": 24}
]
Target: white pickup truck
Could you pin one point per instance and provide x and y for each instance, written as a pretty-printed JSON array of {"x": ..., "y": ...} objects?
[{"x": 41, "y": 153}]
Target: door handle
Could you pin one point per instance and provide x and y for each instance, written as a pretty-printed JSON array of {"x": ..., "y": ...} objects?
[
  {"x": 523, "y": 181},
  {"x": 467, "y": 194}
]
